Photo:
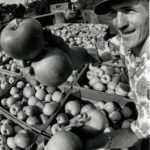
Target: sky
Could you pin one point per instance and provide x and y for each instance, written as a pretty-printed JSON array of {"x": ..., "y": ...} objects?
[{"x": 12, "y": 1}]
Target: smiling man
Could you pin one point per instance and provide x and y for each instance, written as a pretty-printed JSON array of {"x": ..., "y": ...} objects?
[{"x": 131, "y": 19}]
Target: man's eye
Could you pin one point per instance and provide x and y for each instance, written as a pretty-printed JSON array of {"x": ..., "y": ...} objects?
[
  {"x": 112, "y": 12},
  {"x": 127, "y": 10}
]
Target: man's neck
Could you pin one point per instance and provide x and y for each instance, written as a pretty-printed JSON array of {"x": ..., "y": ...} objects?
[{"x": 144, "y": 48}]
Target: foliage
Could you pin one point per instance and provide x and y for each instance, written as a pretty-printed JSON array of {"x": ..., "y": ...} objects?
[{"x": 39, "y": 7}]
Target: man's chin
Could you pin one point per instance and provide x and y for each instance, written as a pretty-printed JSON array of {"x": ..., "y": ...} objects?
[{"x": 129, "y": 44}]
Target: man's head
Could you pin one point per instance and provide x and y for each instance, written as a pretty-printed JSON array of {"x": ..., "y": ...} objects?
[{"x": 129, "y": 17}]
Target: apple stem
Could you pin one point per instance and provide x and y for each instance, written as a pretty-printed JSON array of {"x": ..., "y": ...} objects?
[{"x": 18, "y": 21}]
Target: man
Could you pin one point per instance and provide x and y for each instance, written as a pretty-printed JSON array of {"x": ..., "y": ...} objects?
[{"x": 131, "y": 19}]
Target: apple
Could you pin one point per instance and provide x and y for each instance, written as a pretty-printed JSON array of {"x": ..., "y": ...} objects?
[
  {"x": 15, "y": 108},
  {"x": 110, "y": 91},
  {"x": 50, "y": 90},
  {"x": 109, "y": 107},
  {"x": 21, "y": 115},
  {"x": 64, "y": 140},
  {"x": 40, "y": 94},
  {"x": 98, "y": 72},
  {"x": 126, "y": 112},
  {"x": 105, "y": 79},
  {"x": 89, "y": 75},
  {"x": 97, "y": 122},
  {"x": 62, "y": 119},
  {"x": 7, "y": 121},
  {"x": 11, "y": 80},
  {"x": 94, "y": 80},
  {"x": 3, "y": 102},
  {"x": 30, "y": 110},
  {"x": 49, "y": 67},
  {"x": 17, "y": 128},
  {"x": 50, "y": 108},
  {"x": 48, "y": 97},
  {"x": 99, "y": 86},
  {"x": 10, "y": 101},
  {"x": 55, "y": 128},
  {"x": 6, "y": 129},
  {"x": 99, "y": 105},
  {"x": 32, "y": 101},
  {"x": 22, "y": 140},
  {"x": 86, "y": 108},
  {"x": 28, "y": 91},
  {"x": 32, "y": 120},
  {"x": 112, "y": 85},
  {"x": 11, "y": 143},
  {"x": 4, "y": 85},
  {"x": 20, "y": 85},
  {"x": 73, "y": 107},
  {"x": 18, "y": 96},
  {"x": 29, "y": 36},
  {"x": 57, "y": 96},
  {"x": 115, "y": 116}
]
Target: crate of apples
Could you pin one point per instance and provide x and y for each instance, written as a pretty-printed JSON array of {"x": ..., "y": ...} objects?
[
  {"x": 79, "y": 34},
  {"x": 105, "y": 78},
  {"x": 82, "y": 118},
  {"x": 33, "y": 104},
  {"x": 13, "y": 136}
]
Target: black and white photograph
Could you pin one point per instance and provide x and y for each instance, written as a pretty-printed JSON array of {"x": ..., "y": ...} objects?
[{"x": 74, "y": 75}]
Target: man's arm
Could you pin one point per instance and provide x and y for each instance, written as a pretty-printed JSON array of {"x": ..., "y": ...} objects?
[
  {"x": 122, "y": 138},
  {"x": 78, "y": 55}
]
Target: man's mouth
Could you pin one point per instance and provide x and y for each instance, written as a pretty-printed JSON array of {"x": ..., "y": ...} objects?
[{"x": 127, "y": 32}]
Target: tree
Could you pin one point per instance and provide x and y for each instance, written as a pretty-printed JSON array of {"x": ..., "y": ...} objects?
[{"x": 39, "y": 7}]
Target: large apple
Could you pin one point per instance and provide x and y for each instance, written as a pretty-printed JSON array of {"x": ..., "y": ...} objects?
[
  {"x": 53, "y": 67},
  {"x": 95, "y": 124},
  {"x": 23, "y": 39}
]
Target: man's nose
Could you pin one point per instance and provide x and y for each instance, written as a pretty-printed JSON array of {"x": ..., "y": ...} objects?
[{"x": 121, "y": 21}]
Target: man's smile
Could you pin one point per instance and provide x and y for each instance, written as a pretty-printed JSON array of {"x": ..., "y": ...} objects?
[{"x": 127, "y": 33}]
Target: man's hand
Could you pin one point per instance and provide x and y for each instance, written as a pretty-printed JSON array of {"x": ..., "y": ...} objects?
[
  {"x": 78, "y": 55},
  {"x": 55, "y": 41}
]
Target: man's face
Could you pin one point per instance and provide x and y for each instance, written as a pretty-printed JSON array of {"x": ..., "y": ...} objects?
[{"x": 131, "y": 19}]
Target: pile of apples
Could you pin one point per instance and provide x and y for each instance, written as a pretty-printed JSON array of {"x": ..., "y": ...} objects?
[
  {"x": 11, "y": 65},
  {"x": 33, "y": 104},
  {"x": 3, "y": 57},
  {"x": 108, "y": 79},
  {"x": 80, "y": 34},
  {"x": 12, "y": 136},
  {"x": 102, "y": 116},
  {"x": 5, "y": 81}
]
